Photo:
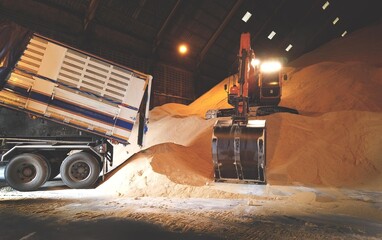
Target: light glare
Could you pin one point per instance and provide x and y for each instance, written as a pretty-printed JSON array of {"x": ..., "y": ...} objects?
[
  {"x": 255, "y": 62},
  {"x": 344, "y": 33},
  {"x": 271, "y": 66},
  {"x": 183, "y": 49},
  {"x": 289, "y": 47}
]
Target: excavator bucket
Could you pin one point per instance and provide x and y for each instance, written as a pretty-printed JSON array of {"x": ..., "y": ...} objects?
[{"x": 238, "y": 151}]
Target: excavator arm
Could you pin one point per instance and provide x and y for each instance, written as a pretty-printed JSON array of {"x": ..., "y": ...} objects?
[
  {"x": 238, "y": 142},
  {"x": 239, "y": 138}
]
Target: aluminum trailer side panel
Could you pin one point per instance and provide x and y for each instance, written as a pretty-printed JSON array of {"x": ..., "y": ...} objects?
[{"x": 66, "y": 85}]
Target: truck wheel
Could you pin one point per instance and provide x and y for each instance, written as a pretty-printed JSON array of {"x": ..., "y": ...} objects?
[
  {"x": 27, "y": 172},
  {"x": 80, "y": 170}
]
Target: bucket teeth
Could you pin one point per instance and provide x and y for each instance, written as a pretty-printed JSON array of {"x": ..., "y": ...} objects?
[{"x": 239, "y": 151}]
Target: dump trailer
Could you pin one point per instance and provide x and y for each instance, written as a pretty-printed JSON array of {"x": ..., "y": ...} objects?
[{"x": 74, "y": 105}]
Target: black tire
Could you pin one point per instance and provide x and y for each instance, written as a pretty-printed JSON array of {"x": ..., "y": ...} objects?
[
  {"x": 80, "y": 170},
  {"x": 27, "y": 172}
]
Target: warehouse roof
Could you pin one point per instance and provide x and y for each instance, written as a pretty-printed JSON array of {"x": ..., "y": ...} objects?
[{"x": 149, "y": 31}]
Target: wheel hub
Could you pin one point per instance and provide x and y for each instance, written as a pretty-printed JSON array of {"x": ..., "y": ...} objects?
[
  {"x": 26, "y": 172},
  {"x": 79, "y": 171}
]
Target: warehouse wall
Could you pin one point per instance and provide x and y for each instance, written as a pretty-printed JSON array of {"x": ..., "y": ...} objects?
[{"x": 170, "y": 84}]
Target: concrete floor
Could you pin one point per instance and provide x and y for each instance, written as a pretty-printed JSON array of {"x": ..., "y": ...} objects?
[{"x": 270, "y": 212}]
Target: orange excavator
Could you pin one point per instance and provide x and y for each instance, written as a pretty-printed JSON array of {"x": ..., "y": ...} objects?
[{"x": 238, "y": 141}]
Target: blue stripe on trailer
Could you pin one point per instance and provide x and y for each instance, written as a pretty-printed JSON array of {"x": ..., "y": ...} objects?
[
  {"x": 20, "y": 90},
  {"x": 91, "y": 114},
  {"x": 39, "y": 97},
  {"x": 70, "y": 107}
]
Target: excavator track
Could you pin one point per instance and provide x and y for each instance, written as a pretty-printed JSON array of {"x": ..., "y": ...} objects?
[{"x": 238, "y": 151}]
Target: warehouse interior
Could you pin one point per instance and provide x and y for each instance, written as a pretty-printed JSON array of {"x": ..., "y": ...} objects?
[{"x": 324, "y": 165}]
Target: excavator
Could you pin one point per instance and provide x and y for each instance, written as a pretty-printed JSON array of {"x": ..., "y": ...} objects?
[{"x": 238, "y": 141}]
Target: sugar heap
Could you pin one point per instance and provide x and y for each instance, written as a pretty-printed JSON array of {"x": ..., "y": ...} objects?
[{"x": 335, "y": 141}]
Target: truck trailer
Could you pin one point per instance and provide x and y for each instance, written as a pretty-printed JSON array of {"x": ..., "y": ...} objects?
[{"x": 72, "y": 107}]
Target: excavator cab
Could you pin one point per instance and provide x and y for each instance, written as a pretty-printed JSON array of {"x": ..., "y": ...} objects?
[{"x": 270, "y": 88}]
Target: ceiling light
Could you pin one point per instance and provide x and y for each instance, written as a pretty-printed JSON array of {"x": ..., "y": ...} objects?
[
  {"x": 246, "y": 16},
  {"x": 272, "y": 34},
  {"x": 289, "y": 47},
  {"x": 344, "y": 33},
  {"x": 182, "y": 49},
  {"x": 336, "y": 20},
  {"x": 325, "y": 5}
]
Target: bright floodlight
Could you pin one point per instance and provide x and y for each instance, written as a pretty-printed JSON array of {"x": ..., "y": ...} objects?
[
  {"x": 271, "y": 66},
  {"x": 255, "y": 62},
  {"x": 183, "y": 49}
]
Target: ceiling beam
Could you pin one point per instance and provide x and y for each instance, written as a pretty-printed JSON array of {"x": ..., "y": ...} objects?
[
  {"x": 270, "y": 18},
  {"x": 33, "y": 15},
  {"x": 138, "y": 10},
  {"x": 113, "y": 36},
  {"x": 90, "y": 12},
  {"x": 218, "y": 31},
  {"x": 158, "y": 38},
  {"x": 297, "y": 27}
]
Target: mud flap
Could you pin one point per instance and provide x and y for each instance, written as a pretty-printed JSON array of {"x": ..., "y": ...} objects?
[{"x": 238, "y": 151}]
